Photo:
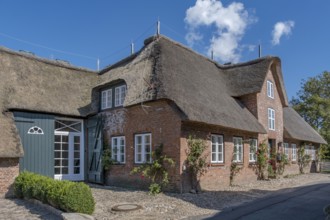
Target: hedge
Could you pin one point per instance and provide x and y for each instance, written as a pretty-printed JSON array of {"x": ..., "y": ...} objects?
[{"x": 65, "y": 195}]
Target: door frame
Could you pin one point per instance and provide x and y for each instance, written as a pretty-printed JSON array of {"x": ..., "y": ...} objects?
[{"x": 72, "y": 176}]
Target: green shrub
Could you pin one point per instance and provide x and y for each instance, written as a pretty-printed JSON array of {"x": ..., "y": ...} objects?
[{"x": 65, "y": 195}]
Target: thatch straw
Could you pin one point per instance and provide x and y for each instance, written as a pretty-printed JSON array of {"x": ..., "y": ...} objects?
[{"x": 295, "y": 127}]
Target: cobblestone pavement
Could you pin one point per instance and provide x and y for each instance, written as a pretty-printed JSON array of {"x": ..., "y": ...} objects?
[{"x": 22, "y": 209}]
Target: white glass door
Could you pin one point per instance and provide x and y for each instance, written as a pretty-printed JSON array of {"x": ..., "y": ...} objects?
[{"x": 68, "y": 152}]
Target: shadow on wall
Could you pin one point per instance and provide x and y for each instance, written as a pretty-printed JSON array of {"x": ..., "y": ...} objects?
[{"x": 10, "y": 191}]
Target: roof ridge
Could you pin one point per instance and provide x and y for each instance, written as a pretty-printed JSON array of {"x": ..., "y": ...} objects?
[
  {"x": 44, "y": 60},
  {"x": 221, "y": 66}
]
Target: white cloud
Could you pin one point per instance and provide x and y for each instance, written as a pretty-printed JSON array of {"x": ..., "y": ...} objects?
[
  {"x": 230, "y": 23},
  {"x": 280, "y": 29}
]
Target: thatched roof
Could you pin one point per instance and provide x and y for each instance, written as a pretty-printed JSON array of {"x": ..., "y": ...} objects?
[
  {"x": 203, "y": 90},
  {"x": 164, "y": 69},
  {"x": 36, "y": 84},
  {"x": 295, "y": 127},
  {"x": 10, "y": 142}
]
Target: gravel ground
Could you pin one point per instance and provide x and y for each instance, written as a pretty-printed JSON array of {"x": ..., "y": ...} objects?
[{"x": 180, "y": 206}]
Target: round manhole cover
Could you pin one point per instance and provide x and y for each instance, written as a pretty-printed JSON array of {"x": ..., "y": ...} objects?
[{"x": 126, "y": 207}]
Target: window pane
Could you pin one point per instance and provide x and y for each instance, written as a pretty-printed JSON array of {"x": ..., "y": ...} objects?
[
  {"x": 214, "y": 148},
  {"x": 148, "y": 158},
  {"x": 77, "y": 162},
  {"x": 220, "y": 156},
  {"x": 65, "y": 170},
  {"x": 57, "y": 154},
  {"x": 57, "y": 163},
  {"x": 65, "y": 163},
  {"x": 65, "y": 139},
  {"x": 214, "y": 157}
]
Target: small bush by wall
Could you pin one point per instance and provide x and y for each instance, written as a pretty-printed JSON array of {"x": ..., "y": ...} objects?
[{"x": 65, "y": 195}]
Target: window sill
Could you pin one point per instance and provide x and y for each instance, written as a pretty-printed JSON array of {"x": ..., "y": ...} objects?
[
  {"x": 111, "y": 108},
  {"x": 216, "y": 164},
  {"x": 119, "y": 164}
]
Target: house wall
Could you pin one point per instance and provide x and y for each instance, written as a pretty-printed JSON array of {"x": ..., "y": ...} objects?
[
  {"x": 162, "y": 120},
  {"x": 38, "y": 148},
  {"x": 263, "y": 103},
  {"x": 217, "y": 175},
  {"x": 9, "y": 170},
  {"x": 292, "y": 167}
]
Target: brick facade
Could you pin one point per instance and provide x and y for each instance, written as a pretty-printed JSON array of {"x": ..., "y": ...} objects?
[
  {"x": 217, "y": 175},
  {"x": 162, "y": 120},
  {"x": 9, "y": 170},
  {"x": 165, "y": 122}
]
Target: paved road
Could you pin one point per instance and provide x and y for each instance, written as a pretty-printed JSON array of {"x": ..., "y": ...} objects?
[
  {"x": 301, "y": 203},
  {"x": 21, "y": 209}
]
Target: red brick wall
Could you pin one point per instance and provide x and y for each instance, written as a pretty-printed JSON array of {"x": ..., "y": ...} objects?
[
  {"x": 250, "y": 101},
  {"x": 293, "y": 167},
  {"x": 162, "y": 120},
  {"x": 263, "y": 103},
  {"x": 9, "y": 170},
  {"x": 217, "y": 176}
]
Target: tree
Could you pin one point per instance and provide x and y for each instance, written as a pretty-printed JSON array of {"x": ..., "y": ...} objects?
[
  {"x": 313, "y": 104},
  {"x": 303, "y": 159},
  {"x": 196, "y": 160}
]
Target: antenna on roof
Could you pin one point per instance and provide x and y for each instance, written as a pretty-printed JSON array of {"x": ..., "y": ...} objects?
[
  {"x": 158, "y": 27},
  {"x": 259, "y": 50},
  {"x": 212, "y": 55},
  {"x": 132, "y": 48}
]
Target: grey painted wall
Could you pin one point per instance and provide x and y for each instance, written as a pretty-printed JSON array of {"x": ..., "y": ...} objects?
[{"x": 38, "y": 148}]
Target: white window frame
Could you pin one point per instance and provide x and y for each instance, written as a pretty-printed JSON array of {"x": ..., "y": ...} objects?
[
  {"x": 252, "y": 154},
  {"x": 118, "y": 149},
  {"x": 106, "y": 99},
  {"x": 270, "y": 89},
  {"x": 294, "y": 152},
  {"x": 218, "y": 145},
  {"x": 144, "y": 149},
  {"x": 271, "y": 119},
  {"x": 120, "y": 93},
  {"x": 286, "y": 150},
  {"x": 238, "y": 155}
]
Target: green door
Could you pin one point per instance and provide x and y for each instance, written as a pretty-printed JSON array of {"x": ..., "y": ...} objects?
[
  {"x": 37, "y": 135},
  {"x": 95, "y": 148}
]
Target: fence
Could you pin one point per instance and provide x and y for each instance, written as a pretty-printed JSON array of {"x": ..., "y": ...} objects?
[{"x": 325, "y": 166}]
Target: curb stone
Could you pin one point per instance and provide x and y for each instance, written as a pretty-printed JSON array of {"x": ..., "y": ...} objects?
[{"x": 62, "y": 215}]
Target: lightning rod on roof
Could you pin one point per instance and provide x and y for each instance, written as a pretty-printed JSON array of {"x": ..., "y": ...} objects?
[
  {"x": 212, "y": 55},
  {"x": 98, "y": 64},
  {"x": 259, "y": 50},
  {"x": 158, "y": 27},
  {"x": 132, "y": 48}
]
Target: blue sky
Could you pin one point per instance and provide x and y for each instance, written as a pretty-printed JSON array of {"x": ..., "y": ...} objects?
[{"x": 82, "y": 31}]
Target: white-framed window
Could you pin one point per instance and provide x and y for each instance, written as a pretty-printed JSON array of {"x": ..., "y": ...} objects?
[
  {"x": 271, "y": 119},
  {"x": 294, "y": 152},
  {"x": 238, "y": 149},
  {"x": 143, "y": 148},
  {"x": 286, "y": 150},
  {"x": 120, "y": 93},
  {"x": 106, "y": 99},
  {"x": 270, "y": 89},
  {"x": 253, "y": 150},
  {"x": 118, "y": 149},
  {"x": 217, "y": 149},
  {"x": 312, "y": 153}
]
